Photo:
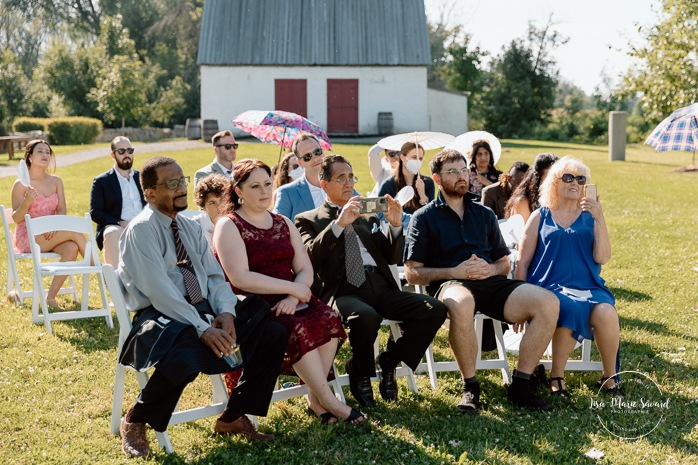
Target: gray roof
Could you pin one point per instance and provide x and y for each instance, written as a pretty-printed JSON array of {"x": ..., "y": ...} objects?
[{"x": 314, "y": 32}]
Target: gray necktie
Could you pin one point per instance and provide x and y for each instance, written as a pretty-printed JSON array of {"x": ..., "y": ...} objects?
[{"x": 353, "y": 262}]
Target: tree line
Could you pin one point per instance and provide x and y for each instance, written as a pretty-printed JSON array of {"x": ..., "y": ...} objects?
[{"x": 133, "y": 62}]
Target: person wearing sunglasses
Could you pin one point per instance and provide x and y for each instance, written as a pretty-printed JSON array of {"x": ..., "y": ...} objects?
[
  {"x": 382, "y": 168},
  {"x": 224, "y": 147},
  {"x": 115, "y": 199},
  {"x": 563, "y": 247},
  {"x": 304, "y": 193}
]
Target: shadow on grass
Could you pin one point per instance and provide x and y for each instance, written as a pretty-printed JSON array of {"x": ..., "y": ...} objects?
[
  {"x": 88, "y": 334},
  {"x": 552, "y": 147},
  {"x": 654, "y": 328},
  {"x": 629, "y": 295}
]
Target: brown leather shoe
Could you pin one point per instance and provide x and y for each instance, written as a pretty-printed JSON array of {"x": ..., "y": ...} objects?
[
  {"x": 133, "y": 439},
  {"x": 242, "y": 426}
]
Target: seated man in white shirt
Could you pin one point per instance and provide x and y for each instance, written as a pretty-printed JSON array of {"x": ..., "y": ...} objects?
[
  {"x": 225, "y": 148},
  {"x": 116, "y": 198}
]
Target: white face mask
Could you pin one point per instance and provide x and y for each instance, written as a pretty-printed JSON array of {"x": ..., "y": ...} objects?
[
  {"x": 297, "y": 173},
  {"x": 413, "y": 166}
]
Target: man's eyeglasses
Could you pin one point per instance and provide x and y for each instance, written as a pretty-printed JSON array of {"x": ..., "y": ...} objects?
[
  {"x": 172, "y": 184},
  {"x": 567, "y": 178},
  {"x": 346, "y": 180},
  {"x": 228, "y": 146},
  {"x": 130, "y": 151},
  {"x": 308, "y": 156},
  {"x": 455, "y": 172}
]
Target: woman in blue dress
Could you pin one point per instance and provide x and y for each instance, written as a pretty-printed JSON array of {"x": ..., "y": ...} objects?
[{"x": 564, "y": 244}]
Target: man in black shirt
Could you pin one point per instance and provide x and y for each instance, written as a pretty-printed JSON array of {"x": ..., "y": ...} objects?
[{"x": 454, "y": 246}]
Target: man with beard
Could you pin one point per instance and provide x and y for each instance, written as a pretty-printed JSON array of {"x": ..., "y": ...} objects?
[
  {"x": 454, "y": 247},
  {"x": 116, "y": 198},
  {"x": 187, "y": 318}
]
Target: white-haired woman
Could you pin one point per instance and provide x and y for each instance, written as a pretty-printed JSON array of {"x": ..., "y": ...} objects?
[{"x": 564, "y": 244}]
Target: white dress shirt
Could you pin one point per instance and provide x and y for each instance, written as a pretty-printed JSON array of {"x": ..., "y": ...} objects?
[{"x": 130, "y": 198}]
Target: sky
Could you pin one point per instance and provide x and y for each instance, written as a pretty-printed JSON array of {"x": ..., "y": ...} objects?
[{"x": 599, "y": 31}]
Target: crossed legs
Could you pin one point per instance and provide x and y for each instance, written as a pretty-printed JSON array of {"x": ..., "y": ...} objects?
[{"x": 66, "y": 244}]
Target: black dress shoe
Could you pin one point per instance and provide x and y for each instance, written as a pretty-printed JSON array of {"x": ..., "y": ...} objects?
[
  {"x": 388, "y": 382},
  {"x": 360, "y": 387}
]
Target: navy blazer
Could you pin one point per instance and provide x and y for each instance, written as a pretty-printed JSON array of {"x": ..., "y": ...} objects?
[{"x": 105, "y": 201}]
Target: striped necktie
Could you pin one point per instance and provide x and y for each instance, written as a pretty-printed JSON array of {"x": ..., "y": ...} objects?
[{"x": 191, "y": 283}]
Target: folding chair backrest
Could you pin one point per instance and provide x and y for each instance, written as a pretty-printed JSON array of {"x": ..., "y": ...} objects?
[
  {"x": 44, "y": 224},
  {"x": 6, "y": 220},
  {"x": 116, "y": 292},
  {"x": 512, "y": 229}
]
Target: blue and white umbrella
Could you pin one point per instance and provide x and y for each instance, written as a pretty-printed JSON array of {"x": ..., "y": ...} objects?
[{"x": 678, "y": 132}]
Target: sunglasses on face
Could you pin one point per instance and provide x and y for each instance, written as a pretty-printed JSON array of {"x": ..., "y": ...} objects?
[
  {"x": 567, "y": 178},
  {"x": 130, "y": 151},
  {"x": 172, "y": 184},
  {"x": 228, "y": 146},
  {"x": 308, "y": 156},
  {"x": 393, "y": 153},
  {"x": 294, "y": 166}
]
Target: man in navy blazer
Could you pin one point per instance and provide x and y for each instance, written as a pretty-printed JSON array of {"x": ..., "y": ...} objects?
[
  {"x": 304, "y": 193},
  {"x": 116, "y": 198}
]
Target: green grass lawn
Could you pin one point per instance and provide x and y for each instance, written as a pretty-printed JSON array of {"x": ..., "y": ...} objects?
[{"x": 56, "y": 391}]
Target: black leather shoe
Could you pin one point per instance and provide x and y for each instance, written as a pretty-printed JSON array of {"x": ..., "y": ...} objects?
[
  {"x": 388, "y": 382},
  {"x": 360, "y": 387}
]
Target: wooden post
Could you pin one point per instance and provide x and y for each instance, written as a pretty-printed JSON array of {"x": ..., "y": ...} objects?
[{"x": 617, "y": 135}]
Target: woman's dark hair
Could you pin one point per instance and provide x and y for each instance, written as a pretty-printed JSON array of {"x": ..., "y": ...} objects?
[
  {"x": 282, "y": 176},
  {"x": 213, "y": 184},
  {"x": 491, "y": 170},
  {"x": 530, "y": 186},
  {"x": 242, "y": 171},
  {"x": 399, "y": 177},
  {"x": 29, "y": 150}
]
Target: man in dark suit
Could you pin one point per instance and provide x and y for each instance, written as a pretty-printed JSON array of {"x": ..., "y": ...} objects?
[
  {"x": 116, "y": 198},
  {"x": 351, "y": 257}
]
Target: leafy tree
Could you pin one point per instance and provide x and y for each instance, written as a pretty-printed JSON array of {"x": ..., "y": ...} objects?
[
  {"x": 521, "y": 84},
  {"x": 14, "y": 87},
  {"x": 666, "y": 70}
]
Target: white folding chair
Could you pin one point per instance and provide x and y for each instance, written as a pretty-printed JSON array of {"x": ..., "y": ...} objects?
[
  {"x": 585, "y": 363},
  {"x": 82, "y": 225},
  {"x": 14, "y": 287},
  {"x": 220, "y": 395}
]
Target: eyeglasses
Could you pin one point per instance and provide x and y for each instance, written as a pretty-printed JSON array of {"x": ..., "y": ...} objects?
[
  {"x": 308, "y": 156},
  {"x": 228, "y": 146},
  {"x": 130, "y": 151},
  {"x": 567, "y": 178},
  {"x": 294, "y": 166},
  {"x": 173, "y": 184},
  {"x": 455, "y": 172},
  {"x": 346, "y": 180},
  {"x": 393, "y": 153}
]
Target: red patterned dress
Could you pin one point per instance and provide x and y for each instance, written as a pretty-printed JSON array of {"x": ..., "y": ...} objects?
[{"x": 270, "y": 252}]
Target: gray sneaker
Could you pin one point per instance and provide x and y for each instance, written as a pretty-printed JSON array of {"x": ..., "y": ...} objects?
[{"x": 470, "y": 400}]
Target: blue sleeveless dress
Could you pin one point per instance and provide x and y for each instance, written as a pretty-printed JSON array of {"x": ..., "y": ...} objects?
[{"x": 564, "y": 259}]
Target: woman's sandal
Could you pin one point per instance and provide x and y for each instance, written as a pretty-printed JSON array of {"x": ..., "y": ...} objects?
[
  {"x": 562, "y": 392},
  {"x": 356, "y": 418},
  {"x": 615, "y": 390},
  {"x": 326, "y": 418}
]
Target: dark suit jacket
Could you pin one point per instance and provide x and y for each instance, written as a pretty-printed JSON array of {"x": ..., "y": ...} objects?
[
  {"x": 327, "y": 251},
  {"x": 105, "y": 201}
]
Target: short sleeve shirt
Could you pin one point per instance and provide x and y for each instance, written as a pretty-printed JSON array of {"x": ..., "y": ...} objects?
[{"x": 439, "y": 238}]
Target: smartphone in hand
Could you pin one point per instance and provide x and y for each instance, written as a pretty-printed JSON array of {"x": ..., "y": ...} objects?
[
  {"x": 590, "y": 191},
  {"x": 374, "y": 205}
]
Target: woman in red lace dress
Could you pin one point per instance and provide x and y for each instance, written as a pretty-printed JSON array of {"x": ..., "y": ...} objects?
[{"x": 262, "y": 253}]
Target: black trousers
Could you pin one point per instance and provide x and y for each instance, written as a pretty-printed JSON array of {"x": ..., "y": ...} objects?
[
  {"x": 364, "y": 308},
  {"x": 252, "y": 395}
]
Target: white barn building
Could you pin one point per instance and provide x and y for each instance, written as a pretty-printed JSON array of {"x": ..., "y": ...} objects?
[{"x": 338, "y": 63}]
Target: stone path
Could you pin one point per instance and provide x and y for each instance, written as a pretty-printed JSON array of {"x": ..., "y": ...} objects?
[{"x": 91, "y": 154}]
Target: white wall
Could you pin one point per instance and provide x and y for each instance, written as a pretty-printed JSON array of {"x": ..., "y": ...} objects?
[
  {"x": 402, "y": 90},
  {"x": 448, "y": 112}
]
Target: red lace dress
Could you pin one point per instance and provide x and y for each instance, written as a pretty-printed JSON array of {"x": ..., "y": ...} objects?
[{"x": 269, "y": 252}]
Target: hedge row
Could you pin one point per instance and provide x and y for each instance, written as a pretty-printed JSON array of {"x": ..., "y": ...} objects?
[{"x": 66, "y": 130}]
